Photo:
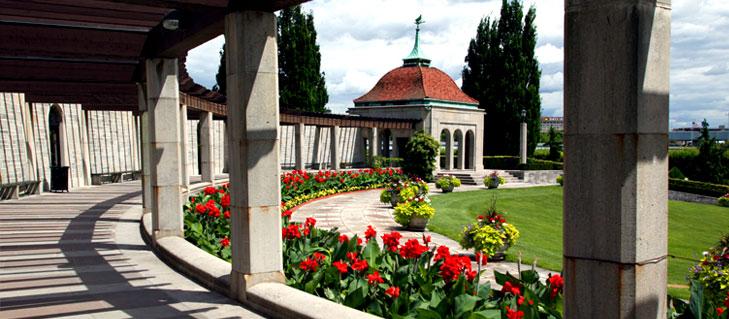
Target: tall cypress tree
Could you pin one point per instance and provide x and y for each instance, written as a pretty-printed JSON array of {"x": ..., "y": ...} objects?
[
  {"x": 301, "y": 83},
  {"x": 503, "y": 74}
]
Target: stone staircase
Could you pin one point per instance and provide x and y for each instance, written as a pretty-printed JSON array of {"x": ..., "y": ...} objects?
[{"x": 476, "y": 177}]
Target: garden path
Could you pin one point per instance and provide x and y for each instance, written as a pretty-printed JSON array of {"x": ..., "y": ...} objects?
[
  {"x": 352, "y": 212},
  {"x": 81, "y": 255}
]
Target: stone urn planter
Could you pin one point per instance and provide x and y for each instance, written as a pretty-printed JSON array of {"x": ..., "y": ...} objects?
[
  {"x": 448, "y": 188},
  {"x": 417, "y": 224},
  {"x": 500, "y": 254},
  {"x": 493, "y": 183},
  {"x": 393, "y": 200}
]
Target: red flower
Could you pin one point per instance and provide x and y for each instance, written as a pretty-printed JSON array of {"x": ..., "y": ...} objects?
[
  {"x": 393, "y": 292},
  {"x": 412, "y": 249},
  {"x": 210, "y": 190},
  {"x": 453, "y": 266},
  {"x": 513, "y": 314},
  {"x": 352, "y": 255},
  {"x": 343, "y": 238},
  {"x": 442, "y": 253},
  {"x": 720, "y": 311},
  {"x": 286, "y": 213},
  {"x": 200, "y": 209},
  {"x": 359, "y": 265},
  {"x": 375, "y": 278},
  {"x": 225, "y": 201},
  {"x": 226, "y": 214},
  {"x": 471, "y": 275},
  {"x": 391, "y": 240},
  {"x": 292, "y": 231},
  {"x": 225, "y": 242},
  {"x": 308, "y": 265},
  {"x": 370, "y": 233},
  {"x": 319, "y": 256},
  {"x": 484, "y": 258},
  {"x": 359, "y": 241},
  {"x": 556, "y": 282},
  {"x": 342, "y": 267},
  {"x": 426, "y": 239},
  {"x": 520, "y": 301},
  {"x": 310, "y": 222},
  {"x": 511, "y": 288}
]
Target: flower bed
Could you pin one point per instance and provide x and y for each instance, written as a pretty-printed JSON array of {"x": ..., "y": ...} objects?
[{"x": 412, "y": 278}]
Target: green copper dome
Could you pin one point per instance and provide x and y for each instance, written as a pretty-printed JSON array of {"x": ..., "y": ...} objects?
[{"x": 416, "y": 55}]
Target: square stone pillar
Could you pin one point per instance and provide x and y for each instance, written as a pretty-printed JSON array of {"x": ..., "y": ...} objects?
[
  {"x": 253, "y": 119},
  {"x": 616, "y": 132},
  {"x": 449, "y": 151},
  {"x": 207, "y": 169},
  {"x": 334, "y": 147},
  {"x": 145, "y": 150},
  {"x": 523, "y": 143},
  {"x": 225, "y": 146},
  {"x": 374, "y": 143},
  {"x": 183, "y": 147},
  {"x": 299, "y": 141},
  {"x": 163, "y": 104},
  {"x": 462, "y": 152}
]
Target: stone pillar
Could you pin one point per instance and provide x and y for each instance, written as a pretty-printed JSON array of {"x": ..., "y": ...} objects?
[
  {"x": 334, "y": 147},
  {"x": 29, "y": 133},
  {"x": 207, "y": 170},
  {"x": 225, "y": 146},
  {"x": 163, "y": 104},
  {"x": 299, "y": 141},
  {"x": 183, "y": 147},
  {"x": 145, "y": 150},
  {"x": 462, "y": 152},
  {"x": 449, "y": 151},
  {"x": 615, "y": 191},
  {"x": 252, "y": 73},
  {"x": 374, "y": 143},
  {"x": 523, "y": 143}
]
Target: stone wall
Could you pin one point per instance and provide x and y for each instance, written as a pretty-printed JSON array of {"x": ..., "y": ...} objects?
[
  {"x": 317, "y": 150},
  {"x": 688, "y": 197},
  {"x": 537, "y": 177}
]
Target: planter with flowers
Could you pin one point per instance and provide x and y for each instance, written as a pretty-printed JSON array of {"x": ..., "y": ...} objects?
[
  {"x": 493, "y": 180},
  {"x": 414, "y": 214},
  {"x": 447, "y": 183},
  {"x": 723, "y": 201},
  {"x": 490, "y": 235},
  {"x": 403, "y": 190}
]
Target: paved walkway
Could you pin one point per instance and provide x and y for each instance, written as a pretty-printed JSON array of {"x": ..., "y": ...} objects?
[
  {"x": 352, "y": 212},
  {"x": 81, "y": 255}
]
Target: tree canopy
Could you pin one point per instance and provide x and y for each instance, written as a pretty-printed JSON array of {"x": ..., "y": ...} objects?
[
  {"x": 301, "y": 83},
  {"x": 503, "y": 74}
]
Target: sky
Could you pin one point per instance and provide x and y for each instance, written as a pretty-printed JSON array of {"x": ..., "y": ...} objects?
[{"x": 362, "y": 40}]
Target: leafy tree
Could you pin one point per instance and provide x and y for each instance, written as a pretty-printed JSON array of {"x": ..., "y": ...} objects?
[
  {"x": 710, "y": 165},
  {"x": 301, "y": 83},
  {"x": 555, "y": 145},
  {"x": 503, "y": 74},
  {"x": 419, "y": 157}
]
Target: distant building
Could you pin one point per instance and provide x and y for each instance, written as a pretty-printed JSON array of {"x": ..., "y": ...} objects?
[
  {"x": 552, "y": 121},
  {"x": 686, "y": 135}
]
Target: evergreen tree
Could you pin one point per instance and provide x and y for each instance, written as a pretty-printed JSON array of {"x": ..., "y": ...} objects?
[
  {"x": 710, "y": 165},
  {"x": 503, "y": 74},
  {"x": 555, "y": 145},
  {"x": 301, "y": 83}
]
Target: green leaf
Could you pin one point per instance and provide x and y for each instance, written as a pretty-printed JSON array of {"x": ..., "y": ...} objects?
[
  {"x": 484, "y": 291},
  {"x": 371, "y": 252},
  {"x": 696, "y": 303},
  {"x": 529, "y": 276},
  {"x": 424, "y": 313},
  {"x": 465, "y": 304},
  {"x": 486, "y": 314}
]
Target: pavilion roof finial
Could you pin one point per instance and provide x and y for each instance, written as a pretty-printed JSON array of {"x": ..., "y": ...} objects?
[{"x": 416, "y": 56}]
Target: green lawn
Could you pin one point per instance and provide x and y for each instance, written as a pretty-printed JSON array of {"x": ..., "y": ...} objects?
[{"x": 537, "y": 213}]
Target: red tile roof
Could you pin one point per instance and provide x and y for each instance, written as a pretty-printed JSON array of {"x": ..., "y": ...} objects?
[{"x": 416, "y": 83}]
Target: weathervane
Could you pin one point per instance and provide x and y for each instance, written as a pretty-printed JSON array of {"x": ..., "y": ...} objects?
[
  {"x": 416, "y": 57},
  {"x": 418, "y": 22}
]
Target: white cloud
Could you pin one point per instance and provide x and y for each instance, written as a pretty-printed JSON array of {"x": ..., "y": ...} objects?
[{"x": 361, "y": 40}]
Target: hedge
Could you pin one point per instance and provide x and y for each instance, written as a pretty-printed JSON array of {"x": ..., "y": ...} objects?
[
  {"x": 512, "y": 163},
  {"x": 694, "y": 187}
]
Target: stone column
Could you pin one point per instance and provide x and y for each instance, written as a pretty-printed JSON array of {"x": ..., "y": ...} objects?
[
  {"x": 462, "y": 152},
  {"x": 163, "y": 104},
  {"x": 449, "y": 151},
  {"x": 252, "y": 73},
  {"x": 29, "y": 132},
  {"x": 145, "y": 150},
  {"x": 374, "y": 143},
  {"x": 225, "y": 146},
  {"x": 207, "y": 170},
  {"x": 299, "y": 141},
  {"x": 615, "y": 191},
  {"x": 334, "y": 147},
  {"x": 183, "y": 147},
  {"x": 523, "y": 143}
]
